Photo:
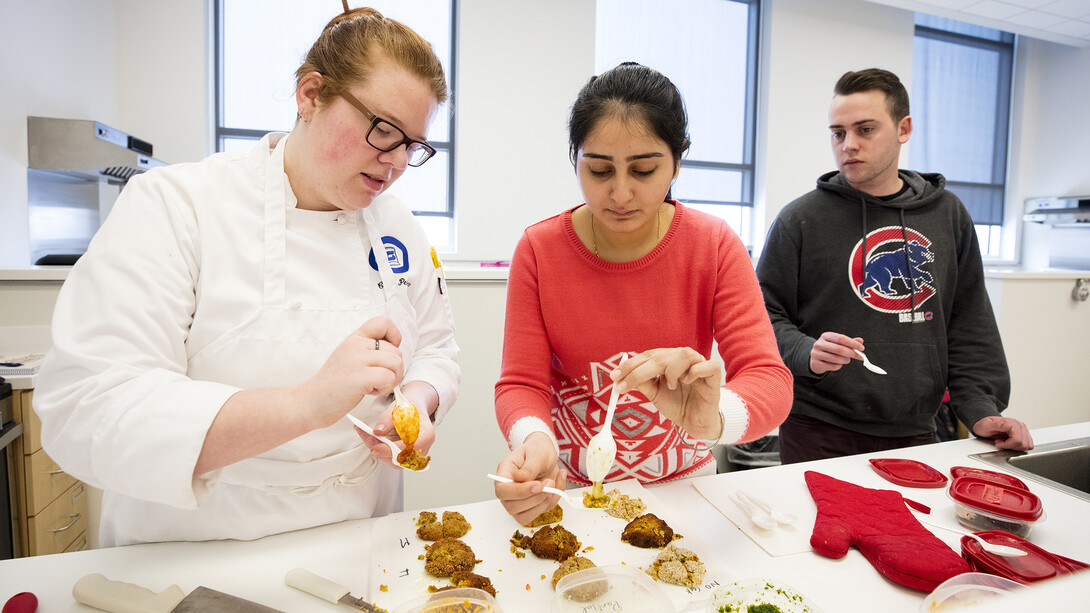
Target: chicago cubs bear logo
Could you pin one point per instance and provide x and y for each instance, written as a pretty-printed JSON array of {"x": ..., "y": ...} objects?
[{"x": 889, "y": 278}]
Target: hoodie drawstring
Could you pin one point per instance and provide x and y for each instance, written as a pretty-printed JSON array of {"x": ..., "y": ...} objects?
[
  {"x": 863, "y": 285},
  {"x": 908, "y": 265}
]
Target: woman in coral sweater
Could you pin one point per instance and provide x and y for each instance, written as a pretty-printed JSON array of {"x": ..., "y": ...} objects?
[{"x": 630, "y": 274}]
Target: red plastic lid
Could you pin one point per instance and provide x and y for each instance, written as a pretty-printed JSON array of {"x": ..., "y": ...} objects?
[
  {"x": 909, "y": 473},
  {"x": 1013, "y": 502},
  {"x": 988, "y": 475},
  {"x": 1038, "y": 564}
]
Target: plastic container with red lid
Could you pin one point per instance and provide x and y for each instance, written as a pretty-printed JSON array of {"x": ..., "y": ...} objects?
[
  {"x": 1037, "y": 565},
  {"x": 988, "y": 475},
  {"x": 985, "y": 505}
]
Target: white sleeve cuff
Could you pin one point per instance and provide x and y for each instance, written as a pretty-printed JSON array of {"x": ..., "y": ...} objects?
[
  {"x": 526, "y": 426},
  {"x": 732, "y": 410}
]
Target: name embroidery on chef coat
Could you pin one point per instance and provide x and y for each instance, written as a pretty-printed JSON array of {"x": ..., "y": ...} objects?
[{"x": 885, "y": 279}]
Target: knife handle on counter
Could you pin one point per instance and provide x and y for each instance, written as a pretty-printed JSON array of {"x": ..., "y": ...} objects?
[
  {"x": 302, "y": 579},
  {"x": 95, "y": 590}
]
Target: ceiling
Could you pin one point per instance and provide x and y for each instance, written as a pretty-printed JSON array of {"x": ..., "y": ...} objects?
[{"x": 1060, "y": 21}]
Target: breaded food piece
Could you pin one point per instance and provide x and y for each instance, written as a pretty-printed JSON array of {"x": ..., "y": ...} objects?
[
  {"x": 454, "y": 525},
  {"x": 429, "y": 527},
  {"x": 466, "y": 579},
  {"x": 569, "y": 566},
  {"x": 554, "y": 543},
  {"x": 412, "y": 459},
  {"x": 550, "y": 542},
  {"x": 552, "y": 516},
  {"x": 679, "y": 566},
  {"x": 448, "y": 556},
  {"x": 647, "y": 531},
  {"x": 520, "y": 540},
  {"x": 625, "y": 506}
]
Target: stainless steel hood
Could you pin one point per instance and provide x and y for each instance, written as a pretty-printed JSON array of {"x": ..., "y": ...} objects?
[
  {"x": 86, "y": 147},
  {"x": 1056, "y": 211}
]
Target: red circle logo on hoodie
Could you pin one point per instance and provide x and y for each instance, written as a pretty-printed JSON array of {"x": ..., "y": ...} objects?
[{"x": 884, "y": 285}]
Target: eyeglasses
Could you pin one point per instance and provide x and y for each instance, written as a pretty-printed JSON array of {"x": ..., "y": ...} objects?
[{"x": 385, "y": 136}]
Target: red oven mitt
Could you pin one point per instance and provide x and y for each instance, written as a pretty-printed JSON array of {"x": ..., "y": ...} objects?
[{"x": 883, "y": 529}]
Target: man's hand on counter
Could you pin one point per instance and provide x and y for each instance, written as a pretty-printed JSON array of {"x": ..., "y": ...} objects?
[{"x": 1007, "y": 432}]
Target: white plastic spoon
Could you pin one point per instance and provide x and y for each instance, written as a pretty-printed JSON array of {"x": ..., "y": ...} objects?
[
  {"x": 779, "y": 516},
  {"x": 602, "y": 449},
  {"x": 552, "y": 490},
  {"x": 999, "y": 550},
  {"x": 757, "y": 516},
  {"x": 868, "y": 365},
  {"x": 359, "y": 423}
]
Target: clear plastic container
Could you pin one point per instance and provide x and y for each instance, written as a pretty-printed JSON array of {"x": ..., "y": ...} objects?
[
  {"x": 984, "y": 505},
  {"x": 967, "y": 590},
  {"x": 459, "y": 600},
  {"x": 619, "y": 587}
]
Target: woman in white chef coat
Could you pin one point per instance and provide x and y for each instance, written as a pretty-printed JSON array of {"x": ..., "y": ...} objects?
[{"x": 230, "y": 312}]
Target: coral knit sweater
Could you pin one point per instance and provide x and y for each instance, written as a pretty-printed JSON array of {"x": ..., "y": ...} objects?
[{"x": 572, "y": 316}]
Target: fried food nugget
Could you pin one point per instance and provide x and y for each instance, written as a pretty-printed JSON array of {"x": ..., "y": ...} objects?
[
  {"x": 464, "y": 579},
  {"x": 679, "y": 566},
  {"x": 569, "y": 566},
  {"x": 552, "y": 516},
  {"x": 551, "y": 543},
  {"x": 412, "y": 459},
  {"x": 453, "y": 525},
  {"x": 448, "y": 556},
  {"x": 624, "y": 506},
  {"x": 554, "y": 543},
  {"x": 648, "y": 531}
]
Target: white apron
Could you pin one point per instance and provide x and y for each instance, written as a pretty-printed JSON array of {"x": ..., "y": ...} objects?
[{"x": 324, "y": 476}]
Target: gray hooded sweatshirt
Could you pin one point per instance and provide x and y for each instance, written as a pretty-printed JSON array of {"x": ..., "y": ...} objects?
[{"x": 840, "y": 260}]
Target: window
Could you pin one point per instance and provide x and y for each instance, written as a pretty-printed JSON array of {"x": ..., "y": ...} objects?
[
  {"x": 260, "y": 43},
  {"x": 708, "y": 48},
  {"x": 961, "y": 91}
]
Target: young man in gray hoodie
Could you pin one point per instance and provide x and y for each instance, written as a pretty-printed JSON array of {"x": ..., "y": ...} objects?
[{"x": 888, "y": 258}]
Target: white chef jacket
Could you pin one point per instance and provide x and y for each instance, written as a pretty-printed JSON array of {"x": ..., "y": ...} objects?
[{"x": 204, "y": 280}]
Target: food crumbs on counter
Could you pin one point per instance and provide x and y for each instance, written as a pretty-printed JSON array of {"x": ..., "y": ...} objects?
[
  {"x": 383, "y": 588},
  {"x": 542, "y": 577},
  {"x": 527, "y": 587}
]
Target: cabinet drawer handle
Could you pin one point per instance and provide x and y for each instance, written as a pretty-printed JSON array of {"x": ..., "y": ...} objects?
[
  {"x": 74, "y": 518},
  {"x": 56, "y": 472}
]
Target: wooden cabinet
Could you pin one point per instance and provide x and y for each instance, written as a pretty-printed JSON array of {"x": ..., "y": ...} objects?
[{"x": 50, "y": 505}]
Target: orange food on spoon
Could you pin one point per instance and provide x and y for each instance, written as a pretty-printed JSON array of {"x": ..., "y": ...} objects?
[{"x": 407, "y": 424}]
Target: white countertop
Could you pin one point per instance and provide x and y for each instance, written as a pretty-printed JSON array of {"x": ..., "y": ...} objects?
[
  {"x": 255, "y": 569},
  {"x": 1037, "y": 273},
  {"x": 454, "y": 271},
  {"x": 477, "y": 271}
]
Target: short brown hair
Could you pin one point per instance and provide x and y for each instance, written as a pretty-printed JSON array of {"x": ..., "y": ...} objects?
[
  {"x": 345, "y": 53},
  {"x": 871, "y": 79}
]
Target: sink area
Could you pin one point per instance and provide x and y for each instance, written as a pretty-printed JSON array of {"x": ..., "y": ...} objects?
[{"x": 1064, "y": 465}]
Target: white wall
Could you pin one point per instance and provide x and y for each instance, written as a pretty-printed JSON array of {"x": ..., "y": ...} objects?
[
  {"x": 521, "y": 64},
  {"x": 808, "y": 45},
  {"x": 136, "y": 66},
  {"x": 1051, "y": 138}
]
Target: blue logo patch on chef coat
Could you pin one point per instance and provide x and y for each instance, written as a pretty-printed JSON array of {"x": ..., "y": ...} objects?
[{"x": 396, "y": 254}]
